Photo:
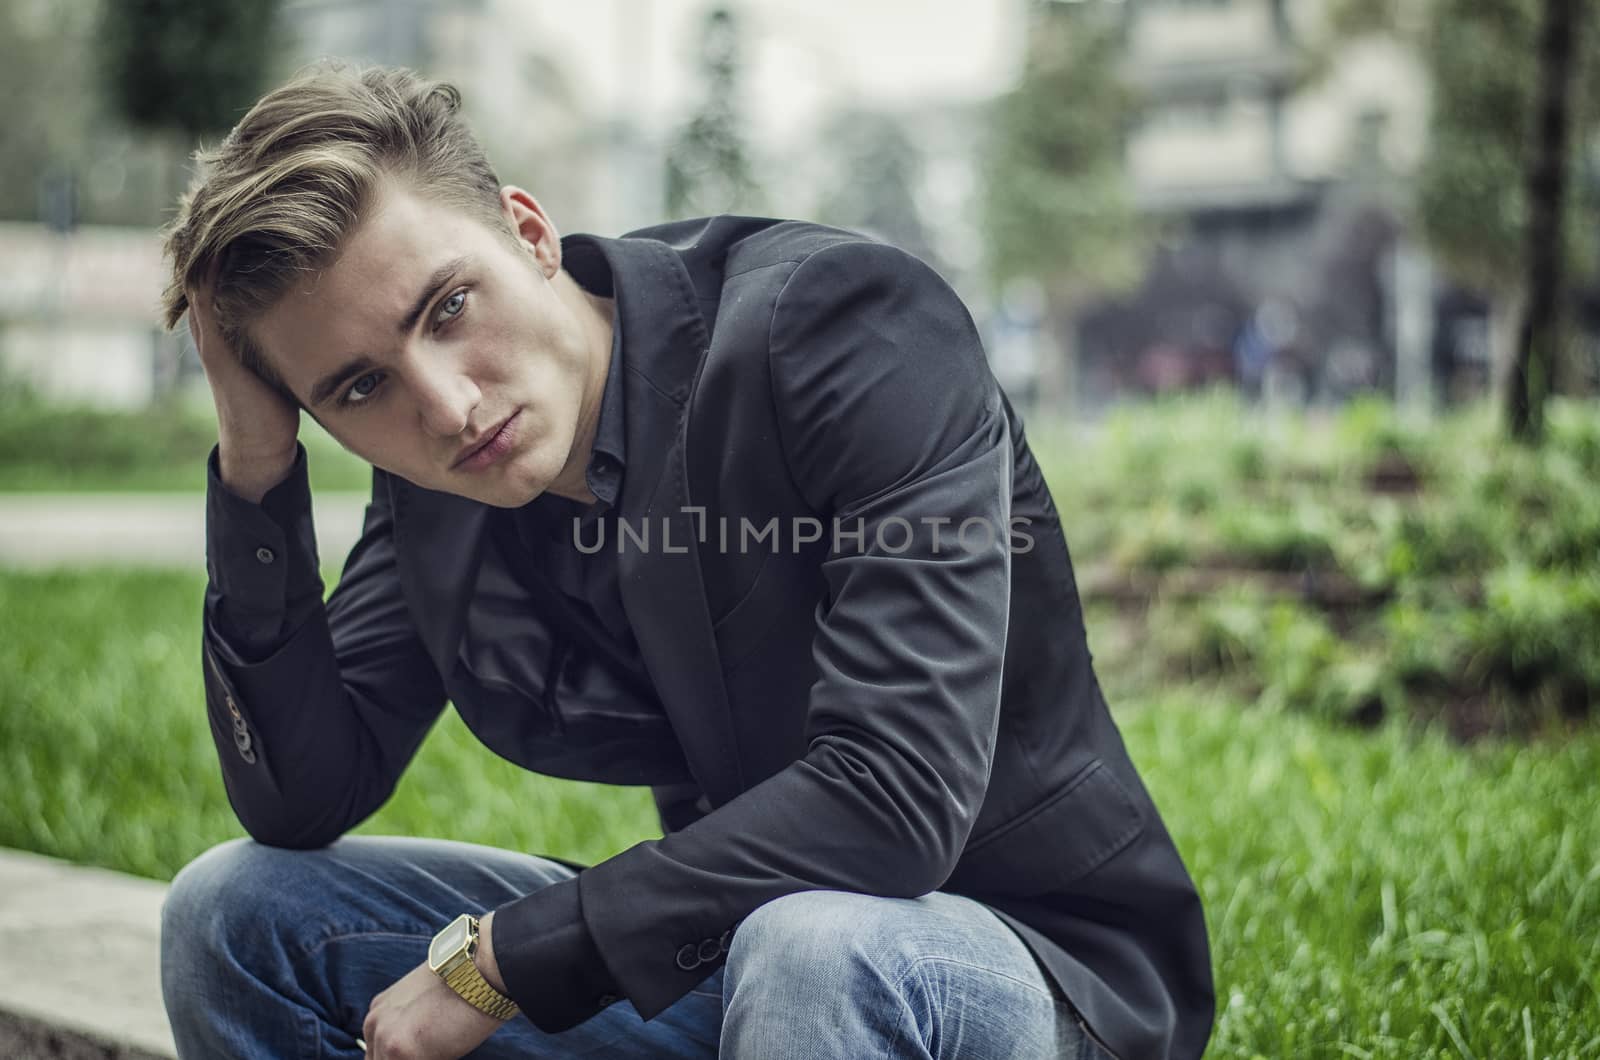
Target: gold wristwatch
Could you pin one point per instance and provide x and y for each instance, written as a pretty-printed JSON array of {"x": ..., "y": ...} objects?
[{"x": 450, "y": 955}]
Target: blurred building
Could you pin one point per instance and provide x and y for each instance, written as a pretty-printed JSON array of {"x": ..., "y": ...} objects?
[
  {"x": 517, "y": 91},
  {"x": 78, "y": 313},
  {"x": 1275, "y": 161}
]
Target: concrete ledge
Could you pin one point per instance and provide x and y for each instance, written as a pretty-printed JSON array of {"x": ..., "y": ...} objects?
[
  {"x": 94, "y": 991},
  {"x": 22, "y": 1038}
]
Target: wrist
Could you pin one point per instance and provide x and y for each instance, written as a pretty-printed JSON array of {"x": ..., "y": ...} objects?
[
  {"x": 250, "y": 472},
  {"x": 488, "y": 967}
]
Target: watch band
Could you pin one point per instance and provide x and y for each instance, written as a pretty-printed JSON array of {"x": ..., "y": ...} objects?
[
  {"x": 475, "y": 990},
  {"x": 460, "y": 973}
]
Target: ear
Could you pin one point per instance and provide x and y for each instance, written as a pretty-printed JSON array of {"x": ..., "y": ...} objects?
[{"x": 533, "y": 228}]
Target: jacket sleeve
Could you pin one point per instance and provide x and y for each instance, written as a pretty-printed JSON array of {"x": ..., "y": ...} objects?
[
  {"x": 891, "y": 422},
  {"x": 315, "y": 708}
]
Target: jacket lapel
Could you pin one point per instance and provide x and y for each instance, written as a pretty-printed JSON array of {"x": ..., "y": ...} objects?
[
  {"x": 666, "y": 341},
  {"x": 439, "y": 536}
]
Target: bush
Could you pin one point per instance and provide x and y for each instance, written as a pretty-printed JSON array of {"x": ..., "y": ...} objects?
[
  {"x": 48, "y": 446},
  {"x": 1475, "y": 563}
]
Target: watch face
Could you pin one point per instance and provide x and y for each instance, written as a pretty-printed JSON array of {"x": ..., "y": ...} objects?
[{"x": 447, "y": 942}]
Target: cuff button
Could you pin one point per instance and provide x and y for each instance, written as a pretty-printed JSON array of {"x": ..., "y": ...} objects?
[{"x": 688, "y": 957}]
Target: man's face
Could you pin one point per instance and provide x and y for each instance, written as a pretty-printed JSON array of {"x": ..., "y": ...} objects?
[{"x": 432, "y": 334}]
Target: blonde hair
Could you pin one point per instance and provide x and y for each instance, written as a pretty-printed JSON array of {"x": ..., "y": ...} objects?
[{"x": 279, "y": 195}]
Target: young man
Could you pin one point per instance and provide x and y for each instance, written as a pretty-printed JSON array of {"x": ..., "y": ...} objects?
[{"x": 732, "y": 508}]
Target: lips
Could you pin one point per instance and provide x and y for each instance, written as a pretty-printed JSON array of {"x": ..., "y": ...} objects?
[{"x": 489, "y": 446}]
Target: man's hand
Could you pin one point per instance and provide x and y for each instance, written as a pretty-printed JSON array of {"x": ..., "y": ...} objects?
[
  {"x": 256, "y": 425},
  {"x": 420, "y": 1018}
]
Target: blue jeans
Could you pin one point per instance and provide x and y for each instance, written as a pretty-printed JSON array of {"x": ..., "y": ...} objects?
[{"x": 275, "y": 953}]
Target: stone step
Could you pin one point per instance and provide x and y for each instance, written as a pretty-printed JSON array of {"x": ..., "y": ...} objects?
[{"x": 79, "y": 962}]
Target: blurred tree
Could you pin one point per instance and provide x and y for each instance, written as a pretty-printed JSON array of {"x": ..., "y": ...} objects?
[
  {"x": 1533, "y": 368},
  {"x": 191, "y": 67},
  {"x": 876, "y": 169},
  {"x": 45, "y": 119},
  {"x": 1490, "y": 147},
  {"x": 708, "y": 168},
  {"x": 61, "y": 145},
  {"x": 1056, "y": 199}
]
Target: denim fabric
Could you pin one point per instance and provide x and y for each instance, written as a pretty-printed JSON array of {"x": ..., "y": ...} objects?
[{"x": 276, "y": 953}]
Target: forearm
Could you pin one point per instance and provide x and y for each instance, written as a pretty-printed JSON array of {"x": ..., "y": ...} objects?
[
  {"x": 304, "y": 757},
  {"x": 311, "y": 737}
]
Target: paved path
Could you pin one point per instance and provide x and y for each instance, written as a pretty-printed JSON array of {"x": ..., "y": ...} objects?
[
  {"x": 82, "y": 960},
  {"x": 146, "y": 529}
]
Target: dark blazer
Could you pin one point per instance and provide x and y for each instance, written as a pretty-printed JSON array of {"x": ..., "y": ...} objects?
[{"x": 893, "y": 707}]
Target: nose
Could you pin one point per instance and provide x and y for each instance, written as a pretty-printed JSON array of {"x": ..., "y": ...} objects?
[{"x": 446, "y": 398}]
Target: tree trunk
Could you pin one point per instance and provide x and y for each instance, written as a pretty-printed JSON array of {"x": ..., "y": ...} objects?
[
  {"x": 1539, "y": 338},
  {"x": 1506, "y": 307},
  {"x": 1058, "y": 361}
]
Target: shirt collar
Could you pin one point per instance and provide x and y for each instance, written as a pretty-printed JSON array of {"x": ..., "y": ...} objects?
[{"x": 608, "y": 459}]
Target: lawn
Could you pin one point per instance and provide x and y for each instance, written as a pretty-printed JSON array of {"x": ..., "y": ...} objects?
[
  {"x": 51, "y": 448},
  {"x": 1382, "y": 893}
]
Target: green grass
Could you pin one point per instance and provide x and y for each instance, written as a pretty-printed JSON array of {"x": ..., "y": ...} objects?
[
  {"x": 1476, "y": 562},
  {"x": 52, "y": 448},
  {"x": 102, "y": 709},
  {"x": 1381, "y": 894}
]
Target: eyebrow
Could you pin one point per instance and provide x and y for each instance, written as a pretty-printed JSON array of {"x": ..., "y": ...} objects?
[{"x": 330, "y": 384}]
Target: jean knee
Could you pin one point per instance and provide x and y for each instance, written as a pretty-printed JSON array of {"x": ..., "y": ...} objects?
[
  {"x": 232, "y": 889},
  {"x": 200, "y": 886},
  {"x": 814, "y": 933}
]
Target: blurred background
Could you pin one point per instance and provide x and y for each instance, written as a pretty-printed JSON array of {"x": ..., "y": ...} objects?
[
  {"x": 1299, "y": 299},
  {"x": 1309, "y": 200}
]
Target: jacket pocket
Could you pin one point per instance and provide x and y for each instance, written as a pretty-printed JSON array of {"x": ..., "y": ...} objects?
[
  {"x": 1065, "y": 837},
  {"x": 751, "y": 618}
]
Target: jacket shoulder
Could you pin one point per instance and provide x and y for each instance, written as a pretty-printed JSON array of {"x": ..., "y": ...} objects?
[{"x": 728, "y": 245}]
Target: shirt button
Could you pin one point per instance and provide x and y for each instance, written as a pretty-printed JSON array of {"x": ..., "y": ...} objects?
[
  {"x": 688, "y": 957},
  {"x": 607, "y": 1000},
  {"x": 265, "y": 555}
]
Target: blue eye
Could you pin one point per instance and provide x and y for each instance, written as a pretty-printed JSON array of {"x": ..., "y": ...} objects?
[
  {"x": 361, "y": 390},
  {"x": 451, "y": 307}
]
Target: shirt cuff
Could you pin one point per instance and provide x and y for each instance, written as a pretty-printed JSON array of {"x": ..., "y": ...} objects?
[
  {"x": 551, "y": 966},
  {"x": 261, "y": 559}
]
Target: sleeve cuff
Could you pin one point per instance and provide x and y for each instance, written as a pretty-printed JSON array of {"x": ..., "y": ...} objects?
[
  {"x": 261, "y": 558},
  {"x": 551, "y": 966}
]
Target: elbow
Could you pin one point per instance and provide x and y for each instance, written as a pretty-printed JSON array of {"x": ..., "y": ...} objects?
[
  {"x": 277, "y": 824},
  {"x": 917, "y": 815},
  {"x": 921, "y": 870},
  {"x": 306, "y": 816},
  {"x": 932, "y": 849},
  {"x": 287, "y": 835}
]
